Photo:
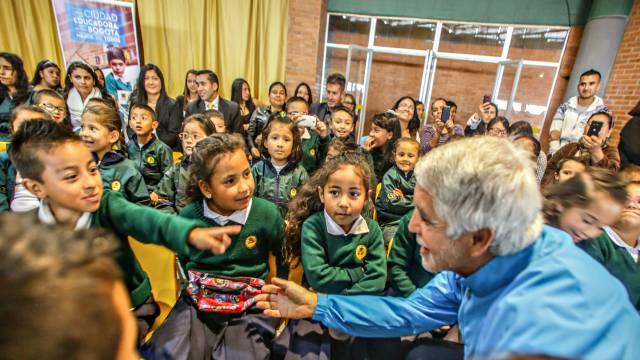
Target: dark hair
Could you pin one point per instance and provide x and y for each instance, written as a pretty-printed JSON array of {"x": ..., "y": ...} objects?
[
  {"x": 210, "y": 114},
  {"x": 498, "y": 119},
  {"x": 20, "y": 108},
  {"x": 636, "y": 110},
  {"x": 139, "y": 95},
  {"x": 353, "y": 99},
  {"x": 520, "y": 127},
  {"x": 608, "y": 115},
  {"x": 390, "y": 123},
  {"x": 533, "y": 140},
  {"x": 22, "y": 81},
  {"x": 341, "y": 145},
  {"x": 96, "y": 69},
  {"x": 205, "y": 158},
  {"x": 35, "y": 136},
  {"x": 44, "y": 64},
  {"x": 561, "y": 163},
  {"x": 451, "y": 104},
  {"x": 337, "y": 78},
  {"x": 37, "y": 98},
  {"x": 108, "y": 117},
  {"x": 579, "y": 190},
  {"x": 296, "y": 149},
  {"x": 433, "y": 102},
  {"x": 307, "y": 200},
  {"x": 185, "y": 91},
  {"x": 278, "y": 83},
  {"x": 48, "y": 273},
  {"x": 144, "y": 107},
  {"x": 213, "y": 78},
  {"x": 99, "y": 101},
  {"x": 236, "y": 94},
  {"x": 418, "y": 102},
  {"x": 115, "y": 53},
  {"x": 591, "y": 72},
  {"x": 414, "y": 123},
  {"x": 293, "y": 99},
  {"x": 68, "y": 85},
  {"x": 347, "y": 110},
  {"x": 206, "y": 125},
  {"x": 304, "y": 84}
]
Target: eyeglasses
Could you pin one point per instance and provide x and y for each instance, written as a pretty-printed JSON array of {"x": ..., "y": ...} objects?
[
  {"x": 296, "y": 113},
  {"x": 497, "y": 132},
  {"x": 194, "y": 136},
  {"x": 50, "y": 108}
]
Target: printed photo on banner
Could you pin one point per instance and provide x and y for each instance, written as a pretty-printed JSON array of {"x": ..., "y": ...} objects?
[{"x": 103, "y": 35}]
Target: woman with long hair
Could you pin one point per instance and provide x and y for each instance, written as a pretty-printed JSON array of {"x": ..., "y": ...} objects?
[
  {"x": 81, "y": 85},
  {"x": 46, "y": 76},
  {"x": 241, "y": 93},
  {"x": 190, "y": 91},
  {"x": 14, "y": 89}
]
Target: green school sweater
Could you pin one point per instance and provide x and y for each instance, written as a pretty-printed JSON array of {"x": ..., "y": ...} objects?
[
  {"x": 152, "y": 160},
  {"x": 312, "y": 150},
  {"x": 7, "y": 181},
  {"x": 619, "y": 263},
  {"x": 335, "y": 264},
  {"x": 390, "y": 206},
  {"x": 248, "y": 254},
  {"x": 276, "y": 187},
  {"x": 121, "y": 175},
  {"x": 173, "y": 184},
  {"x": 406, "y": 273}
]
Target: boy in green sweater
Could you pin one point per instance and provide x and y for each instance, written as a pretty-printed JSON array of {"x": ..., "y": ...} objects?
[
  {"x": 58, "y": 168},
  {"x": 151, "y": 156},
  {"x": 314, "y": 139},
  {"x": 618, "y": 247}
]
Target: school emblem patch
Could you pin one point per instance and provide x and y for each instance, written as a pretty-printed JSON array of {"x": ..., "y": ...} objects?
[
  {"x": 151, "y": 160},
  {"x": 250, "y": 242},
  {"x": 115, "y": 185},
  {"x": 312, "y": 152},
  {"x": 293, "y": 192},
  {"x": 391, "y": 196},
  {"x": 361, "y": 252}
]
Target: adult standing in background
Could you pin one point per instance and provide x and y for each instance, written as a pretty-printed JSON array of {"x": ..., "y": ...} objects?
[
  {"x": 260, "y": 117},
  {"x": 14, "y": 89},
  {"x": 209, "y": 99},
  {"x": 150, "y": 90},
  {"x": 629, "y": 146},
  {"x": 190, "y": 91},
  {"x": 241, "y": 94},
  {"x": 571, "y": 117},
  {"x": 303, "y": 90},
  {"x": 335, "y": 89}
]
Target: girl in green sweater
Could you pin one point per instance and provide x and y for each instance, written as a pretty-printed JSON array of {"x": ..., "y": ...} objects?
[{"x": 341, "y": 251}]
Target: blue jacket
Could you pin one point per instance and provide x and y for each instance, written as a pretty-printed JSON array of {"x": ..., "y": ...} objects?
[{"x": 549, "y": 298}]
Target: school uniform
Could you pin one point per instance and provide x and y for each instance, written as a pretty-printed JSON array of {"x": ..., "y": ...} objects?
[
  {"x": 335, "y": 262},
  {"x": 194, "y": 332},
  {"x": 121, "y": 175},
  {"x": 152, "y": 159},
  {"x": 390, "y": 206},
  {"x": 406, "y": 273},
  {"x": 313, "y": 146},
  {"x": 278, "y": 185},
  {"x": 173, "y": 184},
  {"x": 146, "y": 225},
  {"x": 619, "y": 258}
]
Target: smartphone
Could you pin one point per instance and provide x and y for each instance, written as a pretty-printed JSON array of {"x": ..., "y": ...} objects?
[
  {"x": 308, "y": 121},
  {"x": 446, "y": 112},
  {"x": 486, "y": 99},
  {"x": 595, "y": 128}
]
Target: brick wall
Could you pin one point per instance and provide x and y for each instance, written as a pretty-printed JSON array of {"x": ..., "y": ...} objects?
[{"x": 623, "y": 88}]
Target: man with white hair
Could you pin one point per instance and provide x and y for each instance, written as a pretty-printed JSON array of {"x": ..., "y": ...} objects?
[{"x": 514, "y": 286}]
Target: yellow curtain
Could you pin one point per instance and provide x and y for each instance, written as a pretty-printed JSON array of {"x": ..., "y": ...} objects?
[
  {"x": 234, "y": 38},
  {"x": 28, "y": 28}
]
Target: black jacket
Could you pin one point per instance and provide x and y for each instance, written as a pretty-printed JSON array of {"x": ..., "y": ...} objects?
[
  {"x": 229, "y": 109},
  {"x": 321, "y": 110},
  {"x": 629, "y": 146},
  {"x": 169, "y": 115}
]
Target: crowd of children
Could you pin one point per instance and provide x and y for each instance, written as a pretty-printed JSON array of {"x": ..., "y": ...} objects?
[{"x": 291, "y": 194}]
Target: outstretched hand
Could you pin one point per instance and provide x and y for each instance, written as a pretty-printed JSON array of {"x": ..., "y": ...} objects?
[
  {"x": 215, "y": 239},
  {"x": 286, "y": 299}
]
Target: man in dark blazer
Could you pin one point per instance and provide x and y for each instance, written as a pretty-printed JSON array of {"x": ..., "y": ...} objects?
[
  {"x": 335, "y": 89},
  {"x": 208, "y": 86}
]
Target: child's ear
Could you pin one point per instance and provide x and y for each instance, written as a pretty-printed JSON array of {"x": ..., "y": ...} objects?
[
  {"x": 205, "y": 189},
  {"x": 556, "y": 176},
  {"x": 321, "y": 194},
  {"x": 154, "y": 124},
  {"x": 35, "y": 187},
  {"x": 114, "y": 135}
]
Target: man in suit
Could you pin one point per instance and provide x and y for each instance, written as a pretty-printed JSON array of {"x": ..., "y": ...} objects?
[
  {"x": 335, "y": 89},
  {"x": 208, "y": 85}
]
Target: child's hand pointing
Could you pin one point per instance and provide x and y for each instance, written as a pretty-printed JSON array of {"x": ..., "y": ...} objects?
[{"x": 215, "y": 239}]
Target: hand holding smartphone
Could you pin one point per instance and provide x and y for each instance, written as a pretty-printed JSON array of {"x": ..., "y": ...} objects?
[
  {"x": 594, "y": 128},
  {"x": 308, "y": 121}
]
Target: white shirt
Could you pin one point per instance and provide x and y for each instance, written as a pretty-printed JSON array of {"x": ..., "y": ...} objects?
[
  {"x": 633, "y": 251},
  {"x": 46, "y": 216},
  {"x": 278, "y": 168},
  {"x": 23, "y": 200},
  {"x": 239, "y": 217},
  {"x": 212, "y": 105},
  {"x": 359, "y": 226},
  {"x": 305, "y": 135}
]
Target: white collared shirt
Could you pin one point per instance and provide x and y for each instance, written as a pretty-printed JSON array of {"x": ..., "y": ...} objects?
[
  {"x": 212, "y": 105},
  {"x": 239, "y": 217},
  {"x": 46, "y": 216},
  {"x": 23, "y": 200},
  {"x": 305, "y": 135},
  {"x": 359, "y": 226},
  {"x": 633, "y": 251}
]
